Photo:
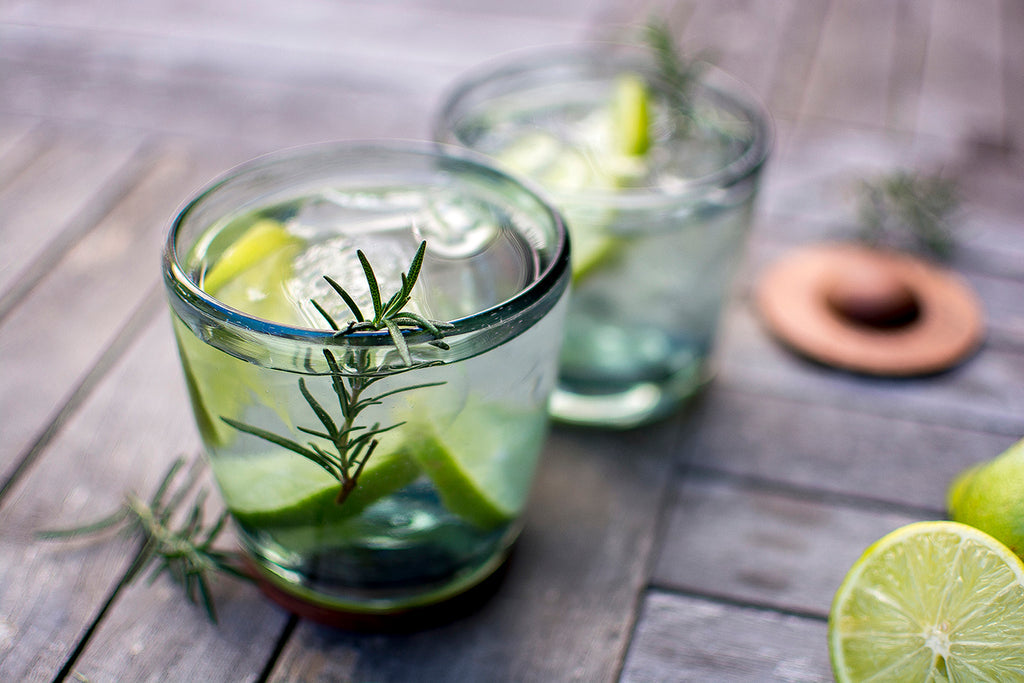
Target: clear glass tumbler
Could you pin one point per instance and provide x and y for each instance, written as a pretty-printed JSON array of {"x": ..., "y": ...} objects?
[
  {"x": 375, "y": 447},
  {"x": 657, "y": 187}
]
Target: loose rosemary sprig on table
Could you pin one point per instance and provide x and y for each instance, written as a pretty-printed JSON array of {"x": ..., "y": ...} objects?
[
  {"x": 175, "y": 538},
  {"x": 904, "y": 209},
  {"x": 352, "y": 445}
]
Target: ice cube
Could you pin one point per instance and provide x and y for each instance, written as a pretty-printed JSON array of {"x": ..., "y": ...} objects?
[
  {"x": 333, "y": 212},
  {"x": 456, "y": 227}
]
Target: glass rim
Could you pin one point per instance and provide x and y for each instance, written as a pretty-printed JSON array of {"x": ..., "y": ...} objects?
[
  {"x": 538, "y": 59},
  {"x": 548, "y": 279}
]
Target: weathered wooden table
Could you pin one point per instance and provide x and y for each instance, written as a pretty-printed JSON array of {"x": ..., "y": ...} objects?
[{"x": 707, "y": 547}]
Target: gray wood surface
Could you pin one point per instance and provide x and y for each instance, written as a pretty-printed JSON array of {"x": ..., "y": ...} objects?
[{"x": 704, "y": 548}]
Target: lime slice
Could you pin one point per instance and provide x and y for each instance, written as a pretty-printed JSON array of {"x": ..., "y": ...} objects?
[
  {"x": 264, "y": 238},
  {"x": 188, "y": 347},
  {"x": 250, "y": 276},
  {"x": 592, "y": 247},
  {"x": 252, "y": 273},
  {"x": 481, "y": 465},
  {"x": 284, "y": 489},
  {"x": 630, "y": 115},
  {"x": 563, "y": 169},
  {"x": 608, "y": 155},
  {"x": 931, "y": 601}
]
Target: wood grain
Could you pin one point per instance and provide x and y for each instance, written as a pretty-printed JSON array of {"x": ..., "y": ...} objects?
[
  {"x": 682, "y": 638},
  {"x": 71, "y": 316},
  {"x": 851, "y": 73},
  {"x": 763, "y": 547},
  {"x": 832, "y": 449},
  {"x": 43, "y": 201},
  {"x": 704, "y": 548},
  {"x": 565, "y": 609},
  {"x": 985, "y": 393}
]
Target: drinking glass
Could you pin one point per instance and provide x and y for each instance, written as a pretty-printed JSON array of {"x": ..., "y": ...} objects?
[
  {"x": 657, "y": 226},
  {"x": 370, "y": 476}
]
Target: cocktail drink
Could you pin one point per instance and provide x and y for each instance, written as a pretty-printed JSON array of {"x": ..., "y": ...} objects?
[
  {"x": 655, "y": 168},
  {"x": 373, "y": 408}
]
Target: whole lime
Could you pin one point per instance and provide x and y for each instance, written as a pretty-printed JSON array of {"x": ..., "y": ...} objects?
[{"x": 990, "y": 496}]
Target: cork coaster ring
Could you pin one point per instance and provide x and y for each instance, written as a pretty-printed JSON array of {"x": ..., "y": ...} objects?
[{"x": 870, "y": 311}]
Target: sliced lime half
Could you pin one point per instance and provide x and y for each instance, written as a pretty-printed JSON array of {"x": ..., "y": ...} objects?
[{"x": 931, "y": 601}]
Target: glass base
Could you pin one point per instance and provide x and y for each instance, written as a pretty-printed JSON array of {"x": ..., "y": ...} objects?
[
  {"x": 434, "y": 608},
  {"x": 625, "y": 407}
]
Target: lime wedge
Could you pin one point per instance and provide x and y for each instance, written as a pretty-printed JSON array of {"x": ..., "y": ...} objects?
[
  {"x": 263, "y": 239},
  {"x": 481, "y": 465},
  {"x": 608, "y": 155},
  {"x": 592, "y": 248},
  {"x": 630, "y": 115},
  {"x": 284, "y": 489},
  {"x": 251, "y": 273},
  {"x": 562, "y": 168},
  {"x": 188, "y": 348},
  {"x": 250, "y": 276},
  {"x": 931, "y": 601}
]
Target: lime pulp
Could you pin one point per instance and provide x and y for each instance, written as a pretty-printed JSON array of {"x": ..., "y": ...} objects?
[{"x": 931, "y": 601}]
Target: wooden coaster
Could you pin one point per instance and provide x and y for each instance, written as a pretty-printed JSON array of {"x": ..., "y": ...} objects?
[{"x": 870, "y": 311}]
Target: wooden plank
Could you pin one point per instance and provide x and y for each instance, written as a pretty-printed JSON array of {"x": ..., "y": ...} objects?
[
  {"x": 851, "y": 72},
  {"x": 377, "y": 35},
  {"x": 809, "y": 191},
  {"x": 816, "y": 174},
  {"x": 20, "y": 143},
  {"x": 910, "y": 40},
  {"x": 134, "y": 425},
  {"x": 46, "y": 198},
  {"x": 996, "y": 242},
  {"x": 763, "y": 547},
  {"x": 271, "y": 75},
  {"x": 153, "y": 634},
  {"x": 130, "y": 83},
  {"x": 806, "y": 444},
  {"x": 52, "y": 339},
  {"x": 1011, "y": 19},
  {"x": 565, "y": 609},
  {"x": 743, "y": 37},
  {"x": 801, "y": 42},
  {"x": 983, "y": 394},
  {"x": 962, "y": 93},
  {"x": 682, "y": 638}
]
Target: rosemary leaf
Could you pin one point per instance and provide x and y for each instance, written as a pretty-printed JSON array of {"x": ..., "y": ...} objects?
[
  {"x": 348, "y": 445},
  {"x": 349, "y": 301},
  {"x": 371, "y": 281},
  {"x": 321, "y": 414},
  {"x": 167, "y": 549}
]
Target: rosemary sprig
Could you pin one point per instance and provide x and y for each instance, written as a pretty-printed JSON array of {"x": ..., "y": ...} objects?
[
  {"x": 174, "y": 538},
  {"x": 352, "y": 445},
  {"x": 678, "y": 75},
  {"x": 390, "y": 315},
  {"x": 905, "y": 209}
]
